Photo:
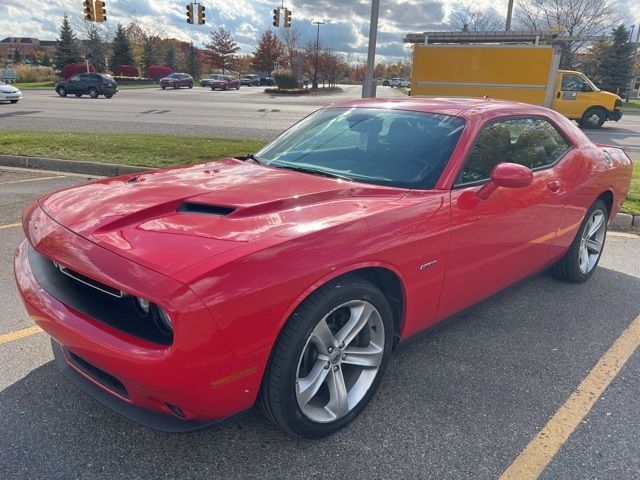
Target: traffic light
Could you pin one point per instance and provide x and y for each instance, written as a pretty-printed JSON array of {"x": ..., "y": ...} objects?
[
  {"x": 89, "y": 13},
  {"x": 287, "y": 18},
  {"x": 190, "y": 13},
  {"x": 201, "y": 20},
  {"x": 276, "y": 17},
  {"x": 100, "y": 11}
]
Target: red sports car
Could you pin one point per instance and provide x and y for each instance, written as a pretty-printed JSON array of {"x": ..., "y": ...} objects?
[
  {"x": 224, "y": 82},
  {"x": 287, "y": 278}
]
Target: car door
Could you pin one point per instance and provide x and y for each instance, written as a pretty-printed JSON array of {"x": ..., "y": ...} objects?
[
  {"x": 573, "y": 95},
  {"x": 500, "y": 240}
]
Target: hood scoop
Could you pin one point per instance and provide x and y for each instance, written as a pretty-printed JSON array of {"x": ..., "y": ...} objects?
[{"x": 205, "y": 209}]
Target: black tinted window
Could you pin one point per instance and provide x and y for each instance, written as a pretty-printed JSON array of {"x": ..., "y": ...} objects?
[{"x": 532, "y": 142}]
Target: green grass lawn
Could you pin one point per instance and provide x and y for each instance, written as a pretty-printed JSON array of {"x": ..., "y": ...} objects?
[
  {"x": 147, "y": 150},
  {"x": 632, "y": 205},
  {"x": 632, "y": 107}
]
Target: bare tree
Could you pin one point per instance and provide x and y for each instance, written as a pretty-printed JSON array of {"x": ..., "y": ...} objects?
[
  {"x": 96, "y": 44},
  {"x": 290, "y": 38},
  {"x": 474, "y": 19},
  {"x": 567, "y": 17}
]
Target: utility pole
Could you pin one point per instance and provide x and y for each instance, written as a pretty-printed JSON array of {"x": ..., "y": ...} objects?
[
  {"x": 509, "y": 15},
  {"x": 369, "y": 85},
  {"x": 315, "y": 73}
]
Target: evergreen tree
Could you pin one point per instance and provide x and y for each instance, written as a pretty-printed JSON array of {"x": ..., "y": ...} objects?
[
  {"x": 221, "y": 51},
  {"x": 609, "y": 63},
  {"x": 67, "y": 48},
  {"x": 46, "y": 60},
  {"x": 170, "y": 58},
  {"x": 122, "y": 52},
  {"x": 269, "y": 51},
  {"x": 96, "y": 46},
  {"x": 17, "y": 58},
  {"x": 149, "y": 53},
  {"x": 192, "y": 62}
]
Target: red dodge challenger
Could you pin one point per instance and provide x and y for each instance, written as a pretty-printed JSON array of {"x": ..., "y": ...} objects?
[{"x": 286, "y": 278}]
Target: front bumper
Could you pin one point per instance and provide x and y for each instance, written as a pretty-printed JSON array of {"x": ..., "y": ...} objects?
[
  {"x": 616, "y": 115},
  {"x": 197, "y": 373}
]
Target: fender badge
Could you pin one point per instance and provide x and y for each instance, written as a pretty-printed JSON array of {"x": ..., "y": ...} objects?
[{"x": 424, "y": 266}]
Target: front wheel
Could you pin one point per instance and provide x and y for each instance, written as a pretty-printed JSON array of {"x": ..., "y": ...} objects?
[
  {"x": 93, "y": 93},
  {"x": 164, "y": 87},
  {"x": 61, "y": 91},
  {"x": 593, "y": 118},
  {"x": 329, "y": 358},
  {"x": 584, "y": 254}
]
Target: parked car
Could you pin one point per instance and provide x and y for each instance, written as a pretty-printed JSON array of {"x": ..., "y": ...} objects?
[
  {"x": 177, "y": 80},
  {"x": 225, "y": 83},
  {"x": 9, "y": 93},
  {"x": 250, "y": 80},
  {"x": 92, "y": 84},
  {"x": 267, "y": 81},
  {"x": 399, "y": 82},
  {"x": 386, "y": 82},
  {"x": 286, "y": 279},
  {"x": 206, "y": 81}
]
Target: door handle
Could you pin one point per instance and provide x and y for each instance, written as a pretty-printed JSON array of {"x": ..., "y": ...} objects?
[{"x": 554, "y": 186}]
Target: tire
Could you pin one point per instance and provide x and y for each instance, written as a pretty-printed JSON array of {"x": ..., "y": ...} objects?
[
  {"x": 237, "y": 87},
  {"x": 164, "y": 87},
  {"x": 14, "y": 101},
  {"x": 593, "y": 118},
  {"x": 191, "y": 85},
  {"x": 583, "y": 256},
  {"x": 108, "y": 95},
  {"x": 309, "y": 413},
  {"x": 61, "y": 91},
  {"x": 93, "y": 92},
  {"x": 226, "y": 87},
  {"x": 176, "y": 86}
]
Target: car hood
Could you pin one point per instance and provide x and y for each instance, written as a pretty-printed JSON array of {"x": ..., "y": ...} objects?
[
  {"x": 172, "y": 219},
  {"x": 8, "y": 89}
]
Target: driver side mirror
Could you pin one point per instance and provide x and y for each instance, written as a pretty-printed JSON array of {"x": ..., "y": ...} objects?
[{"x": 506, "y": 175}]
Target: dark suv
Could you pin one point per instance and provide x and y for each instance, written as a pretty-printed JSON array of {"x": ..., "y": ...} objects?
[
  {"x": 92, "y": 84},
  {"x": 177, "y": 80}
]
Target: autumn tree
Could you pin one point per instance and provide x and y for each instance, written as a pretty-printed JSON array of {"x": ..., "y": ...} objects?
[
  {"x": 221, "y": 50},
  {"x": 566, "y": 17},
  {"x": 269, "y": 52},
  {"x": 67, "y": 47},
  {"x": 121, "y": 50}
]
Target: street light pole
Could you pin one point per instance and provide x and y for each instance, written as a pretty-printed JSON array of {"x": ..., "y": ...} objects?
[
  {"x": 369, "y": 85},
  {"x": 509, "y": 15},
  {"x": 315, "y": 73}
]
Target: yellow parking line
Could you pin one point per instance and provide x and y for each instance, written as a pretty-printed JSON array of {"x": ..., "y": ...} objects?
[
  {"x": 25, "y": 332},
  {"x": 10, "y": 225},
  {"x": 546, "y": 444},
  {"x": 30, "y": 180}
]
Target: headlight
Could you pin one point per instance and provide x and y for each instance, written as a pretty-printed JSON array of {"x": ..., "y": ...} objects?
[
  {"x": 163, "y": 320},
  {"x": 143, "y": 305}
]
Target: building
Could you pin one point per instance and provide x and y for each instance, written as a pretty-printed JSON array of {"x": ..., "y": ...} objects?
[{"x": 27, "y": 46}]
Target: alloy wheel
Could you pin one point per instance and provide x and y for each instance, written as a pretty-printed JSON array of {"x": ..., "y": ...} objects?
[
  {"x": 592, "y": 241},
  {"x": 340, "y": 361}
]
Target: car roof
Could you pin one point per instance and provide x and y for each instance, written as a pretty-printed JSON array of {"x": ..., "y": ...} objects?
[{"x": 462, "y": 107}]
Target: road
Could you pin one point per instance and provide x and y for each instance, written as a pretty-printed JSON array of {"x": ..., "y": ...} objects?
[
  {"x": 247, "y": 113},
  {"x": 459, "y": 403}
]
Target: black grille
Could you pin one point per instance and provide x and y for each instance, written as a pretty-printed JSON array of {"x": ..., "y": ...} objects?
[
  {"x": 117, "y": 312},
  {"x": 204, "y": 209},
  {"x": 99, "y": 375}
]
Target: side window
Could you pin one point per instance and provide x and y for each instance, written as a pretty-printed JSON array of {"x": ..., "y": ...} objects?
[
  {"x": 572, "y": 83},
  {"x": 75, "y": 78},
  {"x": 532, "y": 142}
]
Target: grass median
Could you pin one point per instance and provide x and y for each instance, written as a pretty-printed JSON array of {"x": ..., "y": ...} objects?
[
  {"x": 632, "y": 205},
  {"x": 146, "y": 150}
]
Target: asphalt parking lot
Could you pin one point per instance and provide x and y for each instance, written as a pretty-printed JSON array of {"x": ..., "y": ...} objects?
[{"x": 493, "y": 391}]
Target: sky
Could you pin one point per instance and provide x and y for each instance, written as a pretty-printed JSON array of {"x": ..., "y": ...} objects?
[{"x": 345, "y": 30}]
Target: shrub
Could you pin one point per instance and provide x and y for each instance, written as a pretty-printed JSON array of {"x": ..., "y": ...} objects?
[
  {"x": 32, "y": 73},
  {"x": 126, "y": 71},
  {"x": 285, "y": 79},
  {"x": 72, "y": 68},
  {"x": 156, "y": 72}
]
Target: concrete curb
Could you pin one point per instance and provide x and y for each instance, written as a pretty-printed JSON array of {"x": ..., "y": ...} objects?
[
  {"x": 70, "y": 166},
  {"x": 623, "y": 222}
]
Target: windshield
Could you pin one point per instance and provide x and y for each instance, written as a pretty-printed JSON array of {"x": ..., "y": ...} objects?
[{"x": 381, "y": 146}]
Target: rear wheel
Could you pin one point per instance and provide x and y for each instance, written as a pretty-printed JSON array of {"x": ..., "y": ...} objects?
[
  {"x": 61, "y": 91},
  {"x": 93, "y": 92},
  {"x": 329, "y": 358},
  {"x": 191, "y": 85},
  {"x": 108, "y": 95},
  {"x": 593, "y": 118},
  {"x": 584, "y": 254}
]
